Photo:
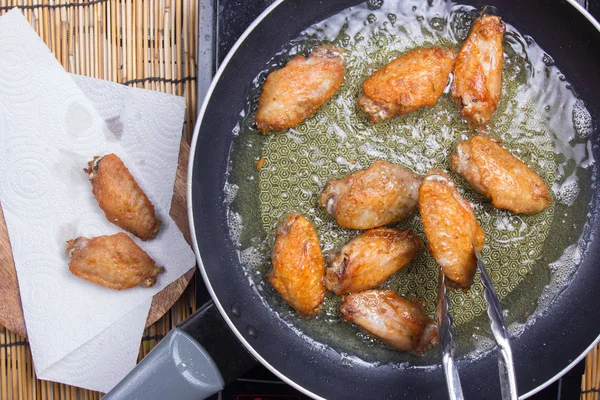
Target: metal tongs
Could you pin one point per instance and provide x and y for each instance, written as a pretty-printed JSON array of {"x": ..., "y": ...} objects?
[{"x": 508, "y": 381}]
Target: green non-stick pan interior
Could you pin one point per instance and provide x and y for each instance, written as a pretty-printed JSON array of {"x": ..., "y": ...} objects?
[{"x": 540, "y": 120}]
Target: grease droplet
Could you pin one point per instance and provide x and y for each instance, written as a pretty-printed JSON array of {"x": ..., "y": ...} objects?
[
  {"x": 374, "y": 4},
  {"x": 548, "y": 60},
  {"x": 252, "y": 331}
]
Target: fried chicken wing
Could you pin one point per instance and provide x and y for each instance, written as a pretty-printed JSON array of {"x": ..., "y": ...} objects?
[
  {"x": 120, "y": 197},
  {"x": 115, "y": 262},
  {"x": 396, "y": 321},
  {"x": 478, "y": 70},
  {"x": 380, "y": 195},
  {"x": 406, "y": 84},
  {"x": 498, "y": 175},
  {"x": 298, "y": 266},
  {"x": 369, "y": 259},
  {"x": 451, "y": 228},
  {"x": 294, "y": 92}
]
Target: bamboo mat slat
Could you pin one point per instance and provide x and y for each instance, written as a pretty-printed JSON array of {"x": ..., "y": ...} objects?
[
  {"x": 140, "y": 43},
  {"x": 590, "y": 382}
]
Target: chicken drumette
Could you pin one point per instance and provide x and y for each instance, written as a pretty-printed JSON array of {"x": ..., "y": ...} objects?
[
  {"x": 115, "y": 262},
  {"x": 120, "y": 197},
  {"x": 369, "y": 259},
  {"x": 380, "y": 195},
  {"x": 298, "y": 266},
  {"x": 406, "y": 84},
  {"x": 501, "y": 177},
  {"x": 451, "y": 228},
  {"x": 293, "y": 93},
  {"x": 396, "y": 321},
  {"x": 478, "y": 70}
]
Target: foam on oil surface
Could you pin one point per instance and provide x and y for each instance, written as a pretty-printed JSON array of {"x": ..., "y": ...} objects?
[{"x": 539, "y": 119}]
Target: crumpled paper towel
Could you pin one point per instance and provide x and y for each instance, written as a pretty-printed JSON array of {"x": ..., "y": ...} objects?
[{"x": 51, "y": 124}]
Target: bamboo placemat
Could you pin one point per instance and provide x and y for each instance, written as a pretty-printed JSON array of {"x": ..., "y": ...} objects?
[
  {"x": 141, "y": 43},
  {"x": 590, "y": 383}
]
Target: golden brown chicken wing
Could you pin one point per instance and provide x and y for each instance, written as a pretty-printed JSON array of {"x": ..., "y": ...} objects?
[
  {"x": 396, "y": 321},
  {"x": 294, "y": 92},
  {"x": 298, "y": 266},
  {"x": 120, "y": 197},
  {"x": 501, "y": 177},
  {"x": 406, "y": 84},
  {"x": 451, "y": 228},
  {"x": 115, "y": 262},
  {"x": 380, "y": 195},
  {"x": 478, "y": 70},
  {"x": 369, "y": 259}
]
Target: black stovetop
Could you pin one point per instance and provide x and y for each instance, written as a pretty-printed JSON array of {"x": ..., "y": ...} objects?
[{"x": 222, "y": 23}]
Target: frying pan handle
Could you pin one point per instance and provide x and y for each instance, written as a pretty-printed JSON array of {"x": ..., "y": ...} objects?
[
  {"x": 181, "y": 366},
  {"x": 178, "y": 368}
]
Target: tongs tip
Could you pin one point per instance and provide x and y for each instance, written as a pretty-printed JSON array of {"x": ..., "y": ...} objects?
[{"x": 508, "y": 383}]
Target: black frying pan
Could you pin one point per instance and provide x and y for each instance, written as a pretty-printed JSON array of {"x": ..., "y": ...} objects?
[{"x": 556, "y": 341}]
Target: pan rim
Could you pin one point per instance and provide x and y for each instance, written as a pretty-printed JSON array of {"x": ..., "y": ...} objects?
[{"x": 192, "y": 226}]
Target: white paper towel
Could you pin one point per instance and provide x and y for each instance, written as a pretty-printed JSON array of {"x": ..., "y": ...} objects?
[
  {"x": 51, "y": 125},
  {"x": 105, "y": 360}
]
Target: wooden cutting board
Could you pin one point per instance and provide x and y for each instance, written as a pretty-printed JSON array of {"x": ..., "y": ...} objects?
[{"x": 11, "y": 313}]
